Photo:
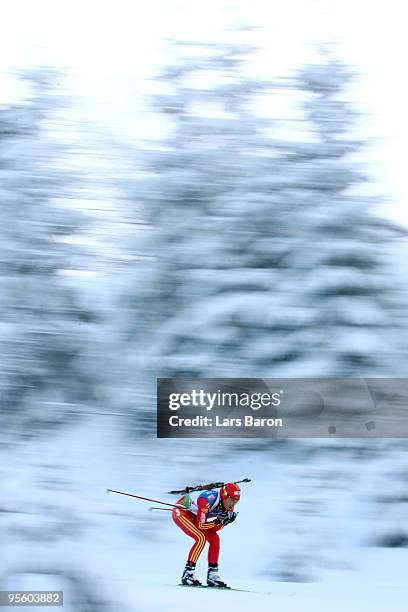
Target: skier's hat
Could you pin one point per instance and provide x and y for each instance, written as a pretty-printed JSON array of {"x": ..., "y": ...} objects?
[{"x": 231, "y": 490}]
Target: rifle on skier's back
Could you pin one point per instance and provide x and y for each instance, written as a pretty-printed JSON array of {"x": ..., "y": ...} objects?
[{"x": 205, "y": 487}]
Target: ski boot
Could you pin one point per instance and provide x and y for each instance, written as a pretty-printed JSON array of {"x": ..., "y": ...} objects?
[
  {"x": 189, "y": 578},
  {"x": 214, "y": 580}
]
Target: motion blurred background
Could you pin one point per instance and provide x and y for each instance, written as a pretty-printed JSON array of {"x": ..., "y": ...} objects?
[{"x": 196, "y": 190}]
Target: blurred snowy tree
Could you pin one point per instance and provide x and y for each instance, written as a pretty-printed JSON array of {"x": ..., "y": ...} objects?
[
  {"x": 216, "y": 230},
  {"x": 41, "y": 337},
  {"x": 260, "y": 256},
  {"x": 338, "y": 268}
]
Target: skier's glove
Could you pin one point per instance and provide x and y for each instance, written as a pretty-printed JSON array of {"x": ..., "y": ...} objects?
[{"x": 230, "y": 518}]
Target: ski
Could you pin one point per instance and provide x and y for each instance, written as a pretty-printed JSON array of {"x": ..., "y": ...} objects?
[{"x": 205, "y": 586}]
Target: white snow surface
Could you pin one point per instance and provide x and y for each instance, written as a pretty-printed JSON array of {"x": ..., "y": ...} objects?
[{"x": 311, "y": 510}]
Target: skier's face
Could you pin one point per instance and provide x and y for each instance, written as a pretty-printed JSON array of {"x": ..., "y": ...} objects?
[{"x": 229, "y": 503}]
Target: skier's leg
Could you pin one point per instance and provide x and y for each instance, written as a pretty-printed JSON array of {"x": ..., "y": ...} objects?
[
  {"x": 214, "y": 546},
  {"x": 213, "y": 577},
  {"x": 185, "y": 520}
]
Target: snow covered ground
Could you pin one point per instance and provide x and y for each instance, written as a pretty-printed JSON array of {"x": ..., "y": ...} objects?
[
  {"x": 368, "y": 590},
  {"x": 379, "y": 585},
  {"x": 306, "y": 537}
]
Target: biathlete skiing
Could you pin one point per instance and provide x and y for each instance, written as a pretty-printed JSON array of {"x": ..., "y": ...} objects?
[
  {"x": 201, "y": 512},
  {"x": 204, "y": 513}
]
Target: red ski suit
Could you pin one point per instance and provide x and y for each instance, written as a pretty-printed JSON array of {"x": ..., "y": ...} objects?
[{"x": 193, "y": 520}]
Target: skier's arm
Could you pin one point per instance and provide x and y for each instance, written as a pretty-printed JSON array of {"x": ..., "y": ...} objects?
[{"x": 202, "y": 515}]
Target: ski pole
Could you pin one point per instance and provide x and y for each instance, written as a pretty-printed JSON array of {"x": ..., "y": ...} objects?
[
  {"x": 165, "y": 509},
  {"x": 156, "y": 501}
]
